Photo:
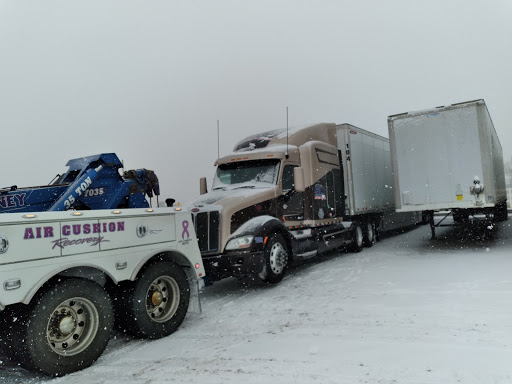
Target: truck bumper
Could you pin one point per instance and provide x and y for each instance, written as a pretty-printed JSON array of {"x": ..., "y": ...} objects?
[{"x": 233, "y": 264}]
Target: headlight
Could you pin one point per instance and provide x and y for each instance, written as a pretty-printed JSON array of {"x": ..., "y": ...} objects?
[{"x": 239, "y": 243}]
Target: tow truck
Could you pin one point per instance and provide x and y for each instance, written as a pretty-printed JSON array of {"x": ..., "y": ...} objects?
[{"x": 86, "y": 253}]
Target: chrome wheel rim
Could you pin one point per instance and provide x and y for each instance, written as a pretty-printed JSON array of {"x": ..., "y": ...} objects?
[
  {"x": 278, "y": 258},
  {"x": 72, "y": 326},
  {"x": 162, "y": 299},
  {"x": 371, "y": 233},
  {"x": 359, "y": 236}
]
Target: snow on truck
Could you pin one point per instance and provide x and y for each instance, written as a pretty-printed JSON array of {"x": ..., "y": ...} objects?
[
  {"x": 285, "y": 196},
  {"x": 450, "y": 159},
  {"x": 67, "y": 277}
]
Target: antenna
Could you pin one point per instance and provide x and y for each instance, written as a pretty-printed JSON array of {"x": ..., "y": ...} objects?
[
  {"x": 287, "y": 156},
  {"x": 218, "y": 140}
]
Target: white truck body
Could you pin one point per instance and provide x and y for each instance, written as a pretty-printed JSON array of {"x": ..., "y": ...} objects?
[
  {"x": 439, "y": 155},
  {"x": 368, "y": 176},
  {"x": 109, "y": 248},
  {"x": 367, "y": 170}
]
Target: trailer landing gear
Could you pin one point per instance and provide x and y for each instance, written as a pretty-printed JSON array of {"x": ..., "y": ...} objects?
[{"x": 430, "y": 219}]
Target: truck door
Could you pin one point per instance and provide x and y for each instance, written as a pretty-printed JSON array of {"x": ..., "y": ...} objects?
[
  {"x": 329, "y": 196},
  {"x": 291, "y": 204}
]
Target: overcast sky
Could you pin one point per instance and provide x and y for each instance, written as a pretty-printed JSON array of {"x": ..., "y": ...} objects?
[{"x": 148, "y": 80}]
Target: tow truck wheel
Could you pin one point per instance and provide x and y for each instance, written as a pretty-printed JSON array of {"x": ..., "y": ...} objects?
[
  {"x": 369, "y": 236},
  {"x": 156, "y": 303},
  {"x": 357, "y": 239},
  {"x": 67, "y": 328},
  {"x": 276, "y": 260}
]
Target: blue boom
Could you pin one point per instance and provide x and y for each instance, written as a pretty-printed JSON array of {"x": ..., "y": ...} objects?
[{"x": 92, "y": 182}]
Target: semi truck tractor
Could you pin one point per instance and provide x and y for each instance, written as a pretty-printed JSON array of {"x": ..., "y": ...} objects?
[
  {"x": 287, "y": 195},
  {"x": 68, "y": 277},
  {"x": 449, "y": 159}
]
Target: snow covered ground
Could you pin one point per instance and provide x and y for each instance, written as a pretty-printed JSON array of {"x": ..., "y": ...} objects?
[{"x": 408, "y": 310}]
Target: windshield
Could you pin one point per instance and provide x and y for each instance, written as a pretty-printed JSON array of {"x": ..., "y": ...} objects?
[{"x": 247, "y": 174}]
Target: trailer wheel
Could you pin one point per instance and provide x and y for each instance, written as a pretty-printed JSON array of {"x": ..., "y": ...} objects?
[
  {"x": 357, "y": 239},
  {"x": 369, "y": 235},
  {"x": 67, "y": 328},
  {"x": 155, "y": 304},
  {"x": 276, "y": 260}
]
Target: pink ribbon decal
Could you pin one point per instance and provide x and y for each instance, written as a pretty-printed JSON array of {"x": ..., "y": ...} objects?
[{"x": 185, "y": 230}]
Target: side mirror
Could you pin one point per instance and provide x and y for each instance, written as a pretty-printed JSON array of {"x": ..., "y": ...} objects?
[
  {"x": 202, "y": 186},
  {"x": 298, "y": 179}
]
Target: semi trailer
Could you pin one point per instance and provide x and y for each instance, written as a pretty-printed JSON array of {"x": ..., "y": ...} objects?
[
  {"x": 450, "y": 159},
  {"x": 286, "y": 195}
]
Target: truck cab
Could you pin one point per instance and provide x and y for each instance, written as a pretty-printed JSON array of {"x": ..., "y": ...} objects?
[{"x": 276, "y": 198}]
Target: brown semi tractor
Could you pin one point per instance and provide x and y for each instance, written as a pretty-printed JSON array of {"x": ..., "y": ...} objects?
[{"x": 287, "y": 195}]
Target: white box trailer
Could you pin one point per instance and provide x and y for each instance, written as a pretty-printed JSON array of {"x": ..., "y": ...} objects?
[
  {"x": 448, "y": 158},
  {"x": 368, "y": 177},
  {"x": 367, "y": 170}
]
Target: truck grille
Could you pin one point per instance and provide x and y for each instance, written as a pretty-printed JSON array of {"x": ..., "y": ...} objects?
[{"x": 206, "y": 225}]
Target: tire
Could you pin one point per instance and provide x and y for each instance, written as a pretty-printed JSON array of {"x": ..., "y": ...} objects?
[
  {"x": 67, "y": 328},
  {"x": 357, "y": 239},
  {"x": 369, "y": 235},
  {"x": 9, "y": 320},
  {"x": 156, "y": 303},
  {"x": 276, "y": 260}
]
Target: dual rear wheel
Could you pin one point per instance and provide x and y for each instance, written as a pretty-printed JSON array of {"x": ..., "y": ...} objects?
[
  {"x": 363, "y": 235},
  {"x": 68, "y": 324}
]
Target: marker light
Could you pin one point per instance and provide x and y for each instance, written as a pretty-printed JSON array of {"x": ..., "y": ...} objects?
[{"x": 29, "y": 216}]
